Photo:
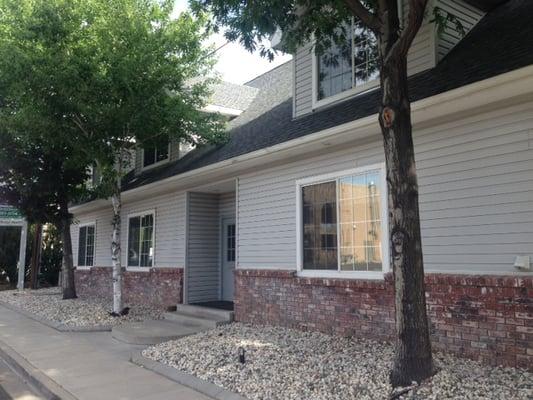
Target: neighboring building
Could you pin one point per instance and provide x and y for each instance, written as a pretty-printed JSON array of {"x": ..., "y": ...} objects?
[{"x": 287, "y": 220}]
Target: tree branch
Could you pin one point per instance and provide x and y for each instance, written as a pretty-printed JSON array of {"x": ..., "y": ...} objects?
[
  {"x": 79, "y": 124},
  {"x": 414, "y": 21},
  {"x": 366, "y": 17}
]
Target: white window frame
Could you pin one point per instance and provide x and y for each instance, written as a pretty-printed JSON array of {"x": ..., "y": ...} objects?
[
  {"x": 370, "y": 85},
  {"x": 133, "y": 215},
  {"x": 85, "y": 224},
  {"x": 384, "y": 226},
  {"x": 156, "y": 164},
  {"x": 316, "y": 103}
]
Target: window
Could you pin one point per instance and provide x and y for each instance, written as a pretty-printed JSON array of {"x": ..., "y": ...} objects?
[
  {"x": 154, "y": 154},
  {"x": 141, "y": 240},
  {"x": 342, "y": 222},
  {"x": 349, "y": 66},
  {"x": 86, "y": 246},
  {"x": 230, "y": 246}
]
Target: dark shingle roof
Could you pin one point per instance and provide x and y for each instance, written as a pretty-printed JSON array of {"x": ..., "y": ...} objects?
[{"x": 499, "y": 43}]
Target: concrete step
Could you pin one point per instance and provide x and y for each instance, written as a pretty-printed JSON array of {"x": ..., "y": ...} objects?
[
  {"x": 205, "y": 312},
  {"x": 153, "y": 331},
  {"x": 189, "y": 319}
]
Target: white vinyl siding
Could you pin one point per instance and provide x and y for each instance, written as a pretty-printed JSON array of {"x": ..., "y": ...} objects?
[
  {"x": 102, "y": 220},
  {"x": 169, "y": 230},
  {"x": 466, "y": 14},
  {"x": 476, "y": 195},
  {"x": 203, "y": 248},
  {"x": 226, "y": 205}
]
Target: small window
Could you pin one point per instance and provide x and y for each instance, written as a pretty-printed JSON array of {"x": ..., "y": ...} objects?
[
  {"x": 141, "y": 240},
  {"x": 349, "y": 65},
  {"x": 154, "y": 154},
  {"x": 342, "y": 223},
  {"x": 230, "y": 246},
  {"x": 86, "y": 246}
]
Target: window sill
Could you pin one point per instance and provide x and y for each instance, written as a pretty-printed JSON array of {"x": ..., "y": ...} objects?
[
  {"x": 138, "y": 269},
  {"x": 84, "y": 267},
  {"x": 337, "y": 98},
  {"x": 157, "y": 164},
  {"x": 363, "y": 275}
]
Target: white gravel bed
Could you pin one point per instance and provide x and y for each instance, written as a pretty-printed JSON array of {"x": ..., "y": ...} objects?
[
  {"x": 81, "y": 312},
  {"x": 285, "y": 364}
]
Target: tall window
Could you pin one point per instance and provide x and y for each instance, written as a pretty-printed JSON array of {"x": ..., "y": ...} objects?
[
  {"x": 350, "y": 65},
  {"x": 230, "y": 246},
  {"x": 342, "y": 223},
  {"x": 141, "y": 240},
  {"x": 86, "y": 246},
  {"x": 156, "y": 153}
]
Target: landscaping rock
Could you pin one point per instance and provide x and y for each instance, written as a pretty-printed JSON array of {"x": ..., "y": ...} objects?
[
  {"x": 285, "y": 364},
  {"x": 81, "y": 312}
]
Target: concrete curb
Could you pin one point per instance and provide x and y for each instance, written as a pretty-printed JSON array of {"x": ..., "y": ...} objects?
[
  {"x": 55, "y": 325},
  {"x": 204, "y": 387},
  {"x": 35, "y": 377}
]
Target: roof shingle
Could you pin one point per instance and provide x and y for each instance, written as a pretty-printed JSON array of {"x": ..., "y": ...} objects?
[{"x": 499, "y": 43}]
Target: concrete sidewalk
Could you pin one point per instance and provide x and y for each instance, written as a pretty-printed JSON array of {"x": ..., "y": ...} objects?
[{"x": 87, "y": 365}]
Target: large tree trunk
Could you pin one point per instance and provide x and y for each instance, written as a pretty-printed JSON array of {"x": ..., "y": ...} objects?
[
  {"x": 413, "y": 359},
  {"x": 36, "y": 256},
  {"x": 68, "y": 284},
  {"x": 116, "y": 201}
]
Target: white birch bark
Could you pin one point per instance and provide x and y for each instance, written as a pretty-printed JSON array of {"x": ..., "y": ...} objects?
[{"x": 116, "y": 201}]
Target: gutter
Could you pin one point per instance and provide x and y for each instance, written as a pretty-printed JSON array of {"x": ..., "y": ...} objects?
[{"x": 474, "y": 98}]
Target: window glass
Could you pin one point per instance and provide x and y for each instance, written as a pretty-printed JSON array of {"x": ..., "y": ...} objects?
[
  {"x": 134, "y": 234},
  {"x": 86, "y": 246},
  {"x": 319, "y": 226},
  {"x": 358, "y": 226},
  {"x": 155, "y": 153},
  {"x": 141, "y": 241},
  {"x": 81, "y": 246},
  {"x": 348, "y": 65},
  {"x": 230, "y": 245}
]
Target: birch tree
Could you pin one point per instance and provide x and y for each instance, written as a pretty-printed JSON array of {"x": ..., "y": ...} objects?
[
  {"x": 138, "y": 90},
  {"x": 324, "y": 22}
]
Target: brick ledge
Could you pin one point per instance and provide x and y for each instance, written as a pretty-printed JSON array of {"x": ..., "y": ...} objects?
[{"x": 486, "y": 280}]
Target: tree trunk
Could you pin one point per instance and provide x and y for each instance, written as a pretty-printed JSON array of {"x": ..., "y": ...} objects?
[
  {"x": 115, "y": 249},
  {"x": 68, "y": 284},
  {"x": 36, "y": 256},
  {"x": 413, "y": 359}
]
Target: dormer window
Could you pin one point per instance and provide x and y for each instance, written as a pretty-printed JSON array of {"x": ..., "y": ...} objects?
[
  {"x": 347, "y": 69},
  {"x": 155, "y": 154}
]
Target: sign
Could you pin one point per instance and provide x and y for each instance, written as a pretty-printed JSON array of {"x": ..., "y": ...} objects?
[{"x": 9, "y": 212}]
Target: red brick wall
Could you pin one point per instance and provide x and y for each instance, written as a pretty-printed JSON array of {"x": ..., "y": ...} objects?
[
  {"x": 487, "y": 318},
  {"x": 156, "y": 286}
]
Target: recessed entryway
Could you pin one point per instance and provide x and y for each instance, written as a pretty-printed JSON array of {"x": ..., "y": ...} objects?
[{"x": 211, "y": 246}]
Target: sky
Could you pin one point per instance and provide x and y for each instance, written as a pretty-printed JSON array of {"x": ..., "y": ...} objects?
[{"x": 235, "y": 63}]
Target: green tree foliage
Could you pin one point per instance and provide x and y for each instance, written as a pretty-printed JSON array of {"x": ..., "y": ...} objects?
[
  {"x": 43, "y": 165},
  {"x": 93, "y": 80}
]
